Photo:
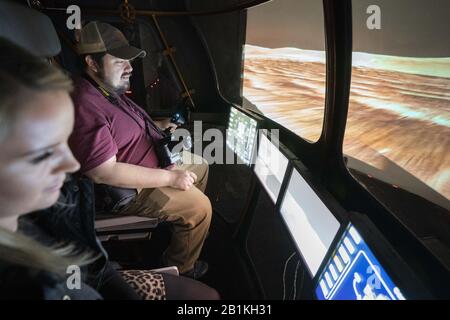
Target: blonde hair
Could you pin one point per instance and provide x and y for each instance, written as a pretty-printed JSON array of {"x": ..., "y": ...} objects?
[
  {"x": 21, "y": 250},
  {"x": 22, "y": 74}
]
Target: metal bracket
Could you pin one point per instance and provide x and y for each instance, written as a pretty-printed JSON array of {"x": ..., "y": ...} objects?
[{"x": 127, "y": 12}]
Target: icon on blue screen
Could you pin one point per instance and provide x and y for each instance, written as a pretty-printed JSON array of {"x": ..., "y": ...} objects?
[{"x": 353, "y": 273}]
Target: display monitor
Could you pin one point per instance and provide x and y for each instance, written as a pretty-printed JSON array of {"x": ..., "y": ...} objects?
[
  {"x": 241, "y": 135},
  {"x": 270, "y": 165},
  {"x": 311, "y": 224},
  {"x": 354, "y": 273}
]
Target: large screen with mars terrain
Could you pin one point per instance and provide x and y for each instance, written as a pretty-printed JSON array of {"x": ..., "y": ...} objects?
[{"x": 398, "y": 124}]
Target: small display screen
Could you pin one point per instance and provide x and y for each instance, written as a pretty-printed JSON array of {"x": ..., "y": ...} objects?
[
  {"x": 241, "y": 135},
  {"x": 270, "y": 166},
  {"x": 311, "y": 224},
  {"x": 354, "y": 273}
]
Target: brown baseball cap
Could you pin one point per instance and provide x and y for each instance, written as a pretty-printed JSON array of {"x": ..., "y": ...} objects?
[{"x": 96, "y": 37}]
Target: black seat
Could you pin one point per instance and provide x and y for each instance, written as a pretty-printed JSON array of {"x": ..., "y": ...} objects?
[{"x": 29, "y": 29}]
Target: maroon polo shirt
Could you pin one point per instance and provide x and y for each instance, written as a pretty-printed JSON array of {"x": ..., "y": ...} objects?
[{"x": 103, "y": 130}]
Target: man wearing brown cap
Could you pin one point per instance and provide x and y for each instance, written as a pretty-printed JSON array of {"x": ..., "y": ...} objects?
[{"x": 114, "y": 140}]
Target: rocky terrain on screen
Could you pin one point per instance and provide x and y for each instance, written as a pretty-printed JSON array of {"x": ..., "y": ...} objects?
[{"x": 399, "y": 107}]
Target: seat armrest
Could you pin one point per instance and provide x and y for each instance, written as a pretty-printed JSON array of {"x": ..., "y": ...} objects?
[
  {"x": 173, "y": 270},
  {"x": 124, "y": 223}
]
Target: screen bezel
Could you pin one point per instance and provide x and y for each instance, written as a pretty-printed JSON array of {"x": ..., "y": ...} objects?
[{"x": 326, "y": 198}]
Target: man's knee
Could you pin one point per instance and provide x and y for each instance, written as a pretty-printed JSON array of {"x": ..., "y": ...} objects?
[
  {"x": 203, "y": 209},
  {"x": 199, "y": 211}
]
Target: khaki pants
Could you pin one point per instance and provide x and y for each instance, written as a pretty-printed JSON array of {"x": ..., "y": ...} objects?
[{"x": 189, "y": 212}]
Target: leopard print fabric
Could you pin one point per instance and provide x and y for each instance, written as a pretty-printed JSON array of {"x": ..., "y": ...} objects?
[{"x": 149, "y": 285}]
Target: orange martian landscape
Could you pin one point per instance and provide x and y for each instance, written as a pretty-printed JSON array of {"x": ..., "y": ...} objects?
[{"x": 399, "y": 107}]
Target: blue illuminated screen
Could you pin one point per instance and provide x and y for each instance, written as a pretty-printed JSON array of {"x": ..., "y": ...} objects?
[{"x": 354, "y": 273}]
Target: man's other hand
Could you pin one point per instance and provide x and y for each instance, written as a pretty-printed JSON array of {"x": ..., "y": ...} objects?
[
  {"x": 165, "y": 123},
  {"x": 183, "y": 179}
]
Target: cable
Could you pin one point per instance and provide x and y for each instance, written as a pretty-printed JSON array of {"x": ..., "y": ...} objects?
[
  {"x": 284, "y": 274},
  {"x": 295, "y": 279}
]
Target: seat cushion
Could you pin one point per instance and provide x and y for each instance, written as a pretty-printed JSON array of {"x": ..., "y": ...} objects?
[{"x": 29, "y": 28}]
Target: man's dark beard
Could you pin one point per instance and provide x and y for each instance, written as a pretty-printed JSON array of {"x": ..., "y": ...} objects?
[{"x": 118, "y": 91}]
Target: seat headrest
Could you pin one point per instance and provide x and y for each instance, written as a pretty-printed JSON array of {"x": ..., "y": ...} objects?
[{"x": 29, "y": 29}]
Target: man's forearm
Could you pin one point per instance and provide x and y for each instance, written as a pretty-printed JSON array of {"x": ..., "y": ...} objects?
[{"x": 136, "y": 177}]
